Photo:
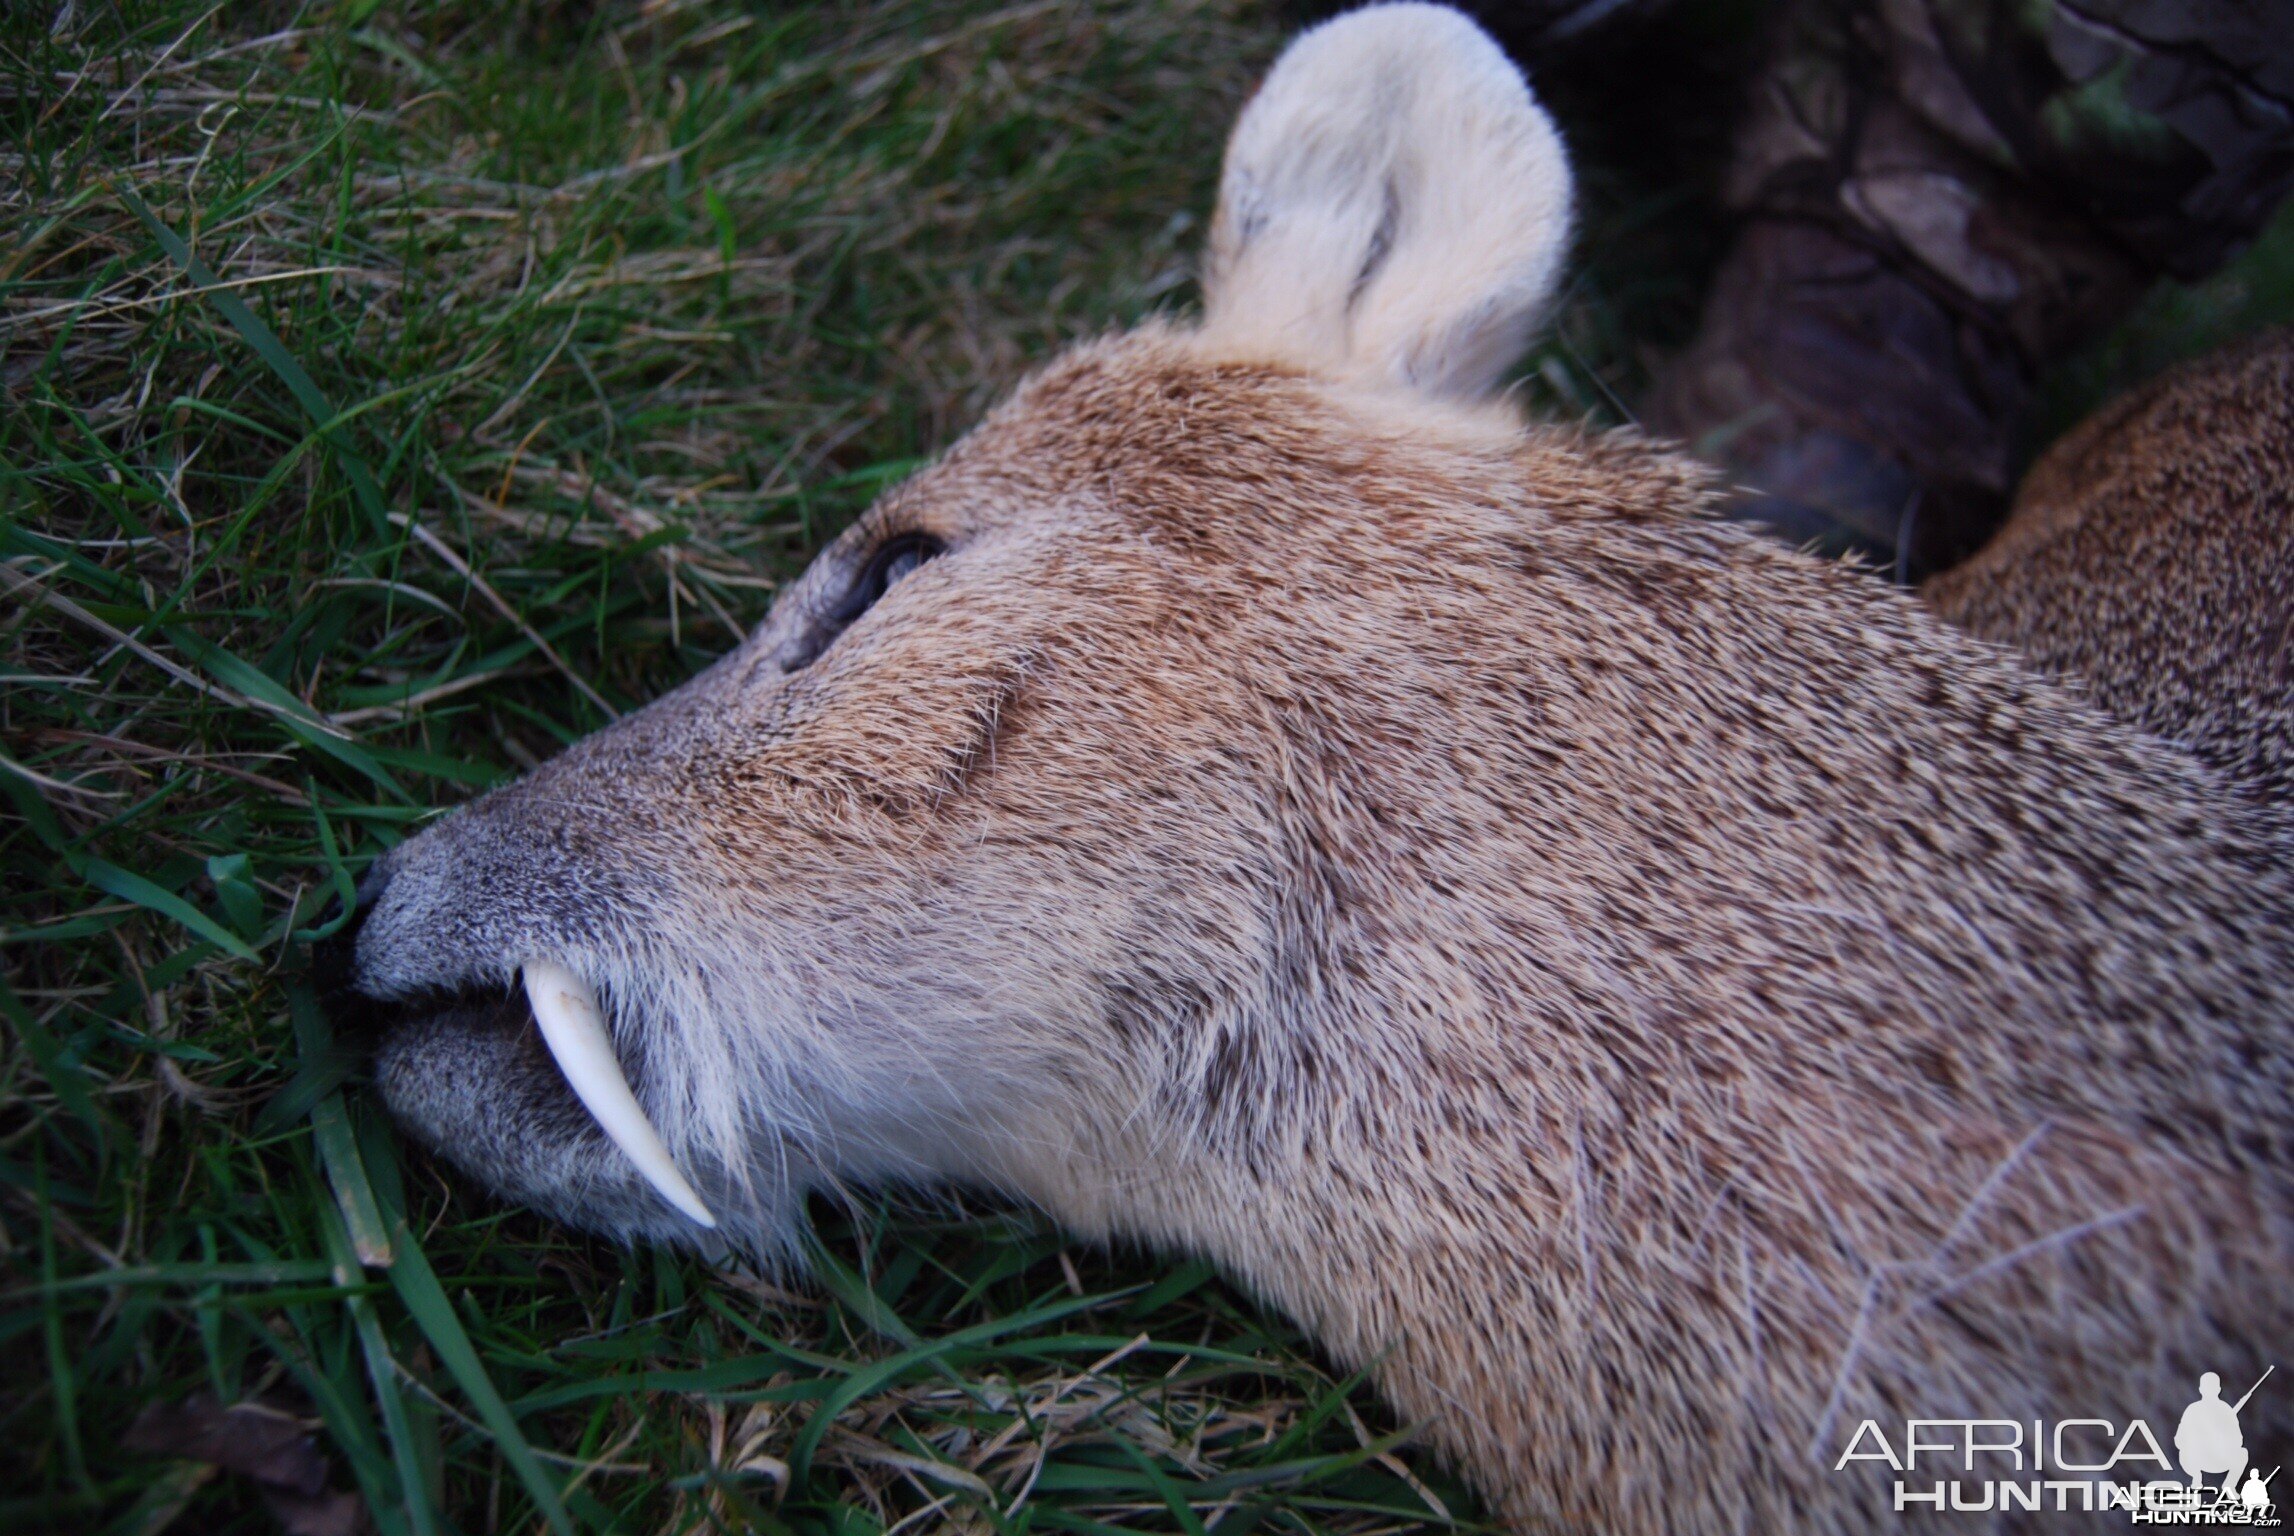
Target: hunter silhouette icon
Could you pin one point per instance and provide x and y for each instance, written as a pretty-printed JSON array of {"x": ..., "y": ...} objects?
[{"x": 2208, "y": 1439}]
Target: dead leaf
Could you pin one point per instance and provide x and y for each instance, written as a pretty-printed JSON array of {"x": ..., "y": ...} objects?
[{"x": 263, "y": 1441}]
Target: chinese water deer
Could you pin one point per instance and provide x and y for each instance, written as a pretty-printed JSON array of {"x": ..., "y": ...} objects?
[
  {"x": 2151, "y": 555},
  {"x": 1656, "y": 998}
]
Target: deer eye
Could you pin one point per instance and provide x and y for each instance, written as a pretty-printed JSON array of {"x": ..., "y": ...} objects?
[
  {"x": 892, "y": 562},
  {"x": 893, "y": 559}
]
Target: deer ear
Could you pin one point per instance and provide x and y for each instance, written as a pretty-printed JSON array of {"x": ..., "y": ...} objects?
[{"x": 1395, "y": 206}]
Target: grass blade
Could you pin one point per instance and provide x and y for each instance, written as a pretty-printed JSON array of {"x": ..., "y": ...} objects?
[
  {"x": 63, "y": 1378},
  {"x": 877, "y": 1377},
  {"x": 268, "y": 347},
  {"x": 69, "y": 1084},
  {"x": 330, "y": 1126},
  {"x": 382, "y": 1372},
  {"x": 129, "y": 886},
  {"x": 425, "y": 1299}
]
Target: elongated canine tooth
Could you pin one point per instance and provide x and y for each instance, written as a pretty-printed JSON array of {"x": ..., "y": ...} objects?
[{"x": 573, "y": 1027}]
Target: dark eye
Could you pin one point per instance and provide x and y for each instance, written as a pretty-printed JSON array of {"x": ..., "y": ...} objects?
[
  {"x": 894, "y": 558},
  {"x": 891, "y": 560}
]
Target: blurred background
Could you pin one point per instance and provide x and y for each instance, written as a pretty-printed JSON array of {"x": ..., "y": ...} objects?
[{"x": 391, "y": 393}]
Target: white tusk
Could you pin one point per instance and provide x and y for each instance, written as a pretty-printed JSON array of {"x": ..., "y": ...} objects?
[{"x": 573, "y": 1027}]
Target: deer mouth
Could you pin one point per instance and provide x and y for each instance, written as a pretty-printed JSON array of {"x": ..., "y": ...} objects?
[{"x": 419, "y": 1039}]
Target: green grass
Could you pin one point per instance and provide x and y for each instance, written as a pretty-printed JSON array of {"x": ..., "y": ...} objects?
[
  {"x": 388, "y": 395},
  {"x": 391, "y": 394}
]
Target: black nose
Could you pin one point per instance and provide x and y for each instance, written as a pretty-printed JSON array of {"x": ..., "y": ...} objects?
[{"x": 334, "y": 959}]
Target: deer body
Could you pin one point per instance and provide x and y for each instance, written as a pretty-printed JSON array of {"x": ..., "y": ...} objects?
[
  {"x": 1658, "y": 998},
  {"x": 2151, "y": 555}
]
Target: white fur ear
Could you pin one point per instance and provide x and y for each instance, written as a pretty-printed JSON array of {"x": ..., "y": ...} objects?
[{"x": 1395, "y": 205}]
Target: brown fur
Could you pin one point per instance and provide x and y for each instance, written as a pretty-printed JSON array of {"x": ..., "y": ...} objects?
[
  {"x": 1656, "y": 998},
  {"x": 1660, "y": 997},
  {"x": 1616, "y": 1106},
  {"x": 2151, "y": 553}
]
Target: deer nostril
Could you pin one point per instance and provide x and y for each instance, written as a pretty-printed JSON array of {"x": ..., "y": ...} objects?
[{"x": 334, "y": 959}]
